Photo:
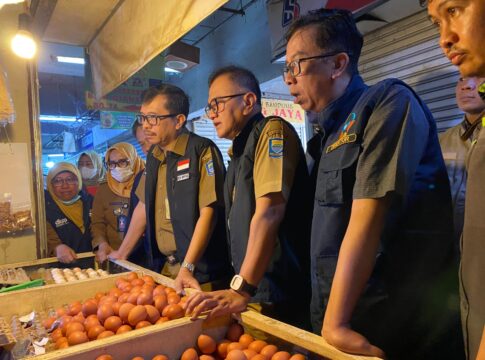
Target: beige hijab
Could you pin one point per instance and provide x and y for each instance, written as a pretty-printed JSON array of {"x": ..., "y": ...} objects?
[
  {"x": 123, "y": 189},
  {"x": 73, "y": 211},
  {"x": 98, "y": 164}
]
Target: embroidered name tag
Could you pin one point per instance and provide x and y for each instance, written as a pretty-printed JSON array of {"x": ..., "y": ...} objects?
[
  {"x": 276, "y": 147},
  {"x": 209, "y": 166},
  {"x": 183, "y": 177},
  {"x": 345, "y": 139},
  {"x": 61, "y": 222},
  {"x": 183, "y": 164}
]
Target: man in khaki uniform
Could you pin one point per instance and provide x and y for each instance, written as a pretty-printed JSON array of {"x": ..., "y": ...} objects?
[
  {"x": 268, "y": 205},
  {"x": 181, "y": 195}
]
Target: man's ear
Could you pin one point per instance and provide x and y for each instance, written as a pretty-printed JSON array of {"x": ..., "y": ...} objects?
[
  {"x": 250, "y": 101},
  {"x": 181, "y": 120},
  {"x": 341, "y": 64}
]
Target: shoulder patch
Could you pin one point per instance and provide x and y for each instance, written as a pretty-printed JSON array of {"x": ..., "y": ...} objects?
[
  {"x": 276, "y": 147},
  {"x": 209, "y": 167}
]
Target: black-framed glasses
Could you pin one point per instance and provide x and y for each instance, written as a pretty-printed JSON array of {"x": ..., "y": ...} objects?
[
  {"x": 122, "y": 163},
  {"x": 152, "y": 119},
  {"x": 294, "y": 68},
  {"x": 217, "y": 104},
  {"x": 68, "y": 181}
]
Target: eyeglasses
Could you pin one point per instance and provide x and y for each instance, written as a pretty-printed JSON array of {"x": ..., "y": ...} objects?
[
  {"x": 122, "y": 163},
  {"x": 68, "y": 181},
  {"x": 294, "y": 67},
  {"x": 152, "y": 119},
  {"x": 217, "y": 104}
]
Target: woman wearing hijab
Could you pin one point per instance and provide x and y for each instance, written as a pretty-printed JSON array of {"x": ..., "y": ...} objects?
[
  {"x": 92, "y": 170},
  {"x": 111, "y": 207},
  {"x": 67, "y": 212}
]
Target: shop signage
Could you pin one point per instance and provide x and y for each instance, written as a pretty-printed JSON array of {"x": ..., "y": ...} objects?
[
  {"x": 116, "y": 119},
  {"x": 283, "y": 108},
  {"x": 282, "y": 13}
]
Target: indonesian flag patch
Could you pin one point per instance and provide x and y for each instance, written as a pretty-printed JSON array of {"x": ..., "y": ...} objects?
[{"x": 183, "y": 165}]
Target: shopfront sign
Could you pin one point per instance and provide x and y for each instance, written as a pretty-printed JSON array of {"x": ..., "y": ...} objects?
[
  {"x": 282, "y": 13},
  {"x": 116, "y": 119},
  {"x": 283, "y": 108}
]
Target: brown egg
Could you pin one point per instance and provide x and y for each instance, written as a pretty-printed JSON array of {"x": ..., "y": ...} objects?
[
  {"x": 148, "y": 279},
  {"x": 47, "y": 323},
  {"x": 60, "y": 341},
  {"x": 174, "y": 311},
  {"x": 169, "y": 290},
  {"x": 107, "y": 299},
  {"x": 144, "y": 299},
  {"x": 99, "y": 295},
  {"x": 105, "y": 334},
  {"x": 142, "y": 324},
  {"x": 249, "y": 353},
  {"x": 61, "y": 311},
  {"x": 104, "y": 357},
  {"x": 236, "y": 355},
  {"x": 120, "y": 281},
  {"x": 269, "y": 351},
  {"x": 137, "y": 314},
  {"x": 298, "y": 357},
  {"x": 115, "y": 292},
  {"x": 77, "y": 337},
  {"x": 116, "y": 307},
  {"x": 162, "y": 320},
  {"x": 89, "y": 307},
  {"x": 113, "y": 323},
  {"x": 222, "y": 348},
  {"x": 125, "y": 310},
  {"x": 152, "y": 313},
  {"x": 132, "y": 298},
  {"x": 123, "y": 329},
  {"x": 173, "y": 298},
  {"x": 94, "y": 331},
  {"x": 104, "y": 312},
  {"x": 206, "y": 357},
  {"x": 147, "y": 288},
  {"x": 137, "y": 358},
  {"x": 137, "y": 282},
  {"x": 234, "y": 346},
  {"x": 90, "y": 321},
  {"x": 183, "y": 300},
  {"x": 159, "y": 290},
  {"x": 206, "y": 344},
  {"x": 63, "y": 345},
  {"x": 73, "y": 326},
  {"x": 159, "y": 357},
  {"x": 160, "y": 301},
  {"x": 56, "y": 334},
  {"x": 127, "y": 288},
  {"x": 281, "y": 355},
  {"x": 189, "y": 354},
  {"x": 234, "y": 332},
  {"x": 259, "y": 357},
  {"x": 257, "y": 345},
  {"x": 131, "y": 276},
  {"x": 75, "y": 308},
  {"x": 63, "y": 321},
  {"x": 245, "y": 340},
  {"x": 123, "y": 297},
  {"x": 79, "y": 317}
]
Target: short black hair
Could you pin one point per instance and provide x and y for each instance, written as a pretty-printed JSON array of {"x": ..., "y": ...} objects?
[
  {"x": 134, "y": 127},
  {"x": 336, "y": 31},
  {"x": 242, "y": 76},
  {"x": 177, "y": 99}
]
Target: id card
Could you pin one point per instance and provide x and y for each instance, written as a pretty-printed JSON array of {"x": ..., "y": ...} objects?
[{"x": 122, "y": 223}]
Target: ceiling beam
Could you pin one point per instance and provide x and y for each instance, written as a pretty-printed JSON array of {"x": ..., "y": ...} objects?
[{"x": 41, "y": 11}]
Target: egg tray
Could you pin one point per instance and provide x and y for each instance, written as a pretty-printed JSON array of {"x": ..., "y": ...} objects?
[{"x": 13, "y": 276}]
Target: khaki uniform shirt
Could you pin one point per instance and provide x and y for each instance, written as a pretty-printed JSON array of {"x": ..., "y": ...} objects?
[
  {"x": 207, "y": 193},
  {"x": 107, "y": 209},
  {"x": 274, "y": 171}
]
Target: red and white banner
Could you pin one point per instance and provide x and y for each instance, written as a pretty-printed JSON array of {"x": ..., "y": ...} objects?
[{"x": 282, "y": 13}]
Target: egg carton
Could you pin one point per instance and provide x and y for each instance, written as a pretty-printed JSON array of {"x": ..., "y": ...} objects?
[
  {"x": 12, "y": 276},
  {"x": 62, "y": 276}
]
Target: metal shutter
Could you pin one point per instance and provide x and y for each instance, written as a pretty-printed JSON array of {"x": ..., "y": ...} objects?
[
  {"x": 205, "y": 128},
  {"x": 409, "y": 50}
]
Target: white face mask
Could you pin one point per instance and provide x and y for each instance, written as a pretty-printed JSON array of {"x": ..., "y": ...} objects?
[
  {"x": 121, "y": 174},
  {"x": 88, "y": 173}
]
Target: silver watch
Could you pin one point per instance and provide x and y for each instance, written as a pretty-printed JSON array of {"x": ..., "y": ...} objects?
[{"x": 188, "y": 266}]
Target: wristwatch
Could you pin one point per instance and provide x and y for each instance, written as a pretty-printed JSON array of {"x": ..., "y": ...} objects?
[
  {"x": 188, "y": 266},
  {"x": 240, "y": 285}
]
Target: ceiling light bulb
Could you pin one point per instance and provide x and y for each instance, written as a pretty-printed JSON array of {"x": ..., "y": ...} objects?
[{"x": 24, "y": 45}]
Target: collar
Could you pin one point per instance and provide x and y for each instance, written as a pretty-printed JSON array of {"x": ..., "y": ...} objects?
[
  {"x": 469, "y": 131},
  {"x": 239, "y": 143},
  {"x": 179, "y": 147},
  {"x": 338, "y": 109}
]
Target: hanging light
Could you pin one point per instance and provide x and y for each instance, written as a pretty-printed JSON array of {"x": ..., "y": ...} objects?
[{"x": 23, "y": 43}]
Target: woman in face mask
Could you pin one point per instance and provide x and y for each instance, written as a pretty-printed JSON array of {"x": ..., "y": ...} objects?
[
  {"x": 92, "y": 170},
  {"x": 111, "y": 207},
  {"x": 67, "y": 212}
]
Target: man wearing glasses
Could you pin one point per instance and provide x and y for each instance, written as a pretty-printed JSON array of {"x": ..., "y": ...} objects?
[
  {"x": 181, "y": 196},
  {"x": 381, "y": 234},
  {"x": 268, "y": 207}
]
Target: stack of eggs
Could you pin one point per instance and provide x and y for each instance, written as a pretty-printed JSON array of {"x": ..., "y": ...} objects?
[{"x": 62, "y": 276}]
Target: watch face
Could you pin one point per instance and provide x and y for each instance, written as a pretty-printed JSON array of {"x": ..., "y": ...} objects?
[{"x": 237, "y": 282}]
